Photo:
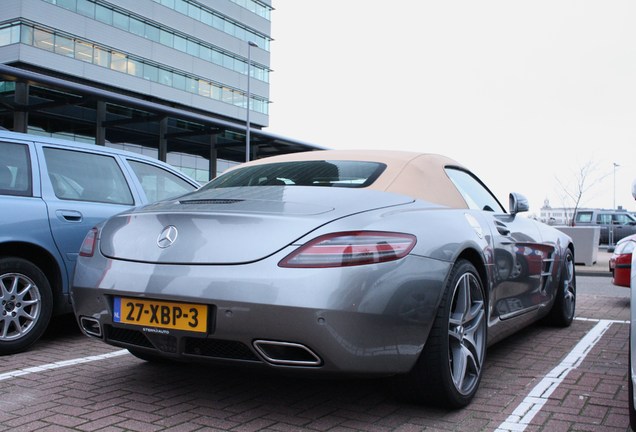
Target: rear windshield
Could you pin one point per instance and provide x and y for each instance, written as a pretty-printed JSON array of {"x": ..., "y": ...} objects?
[{"x": 352, "y": 174}]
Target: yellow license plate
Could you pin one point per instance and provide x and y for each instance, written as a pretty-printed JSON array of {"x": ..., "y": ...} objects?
[{"x": 162, "y": 314}]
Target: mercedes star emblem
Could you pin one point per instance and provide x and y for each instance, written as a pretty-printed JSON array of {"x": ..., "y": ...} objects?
[{"x": 167, "y": 237}]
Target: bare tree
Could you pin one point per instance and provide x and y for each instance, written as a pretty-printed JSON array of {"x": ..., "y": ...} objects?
[{"x": 582, "y": 183}]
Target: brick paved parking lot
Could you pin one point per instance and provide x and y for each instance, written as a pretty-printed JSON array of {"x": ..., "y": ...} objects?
[{"x": 543, "y": 379}]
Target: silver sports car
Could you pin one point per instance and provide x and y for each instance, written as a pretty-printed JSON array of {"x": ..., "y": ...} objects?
[{"x": 388, "y": 264}]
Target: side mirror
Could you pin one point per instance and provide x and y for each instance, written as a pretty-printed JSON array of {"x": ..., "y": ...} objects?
[
  {"x": 634, "y": 188},
  {"x": 517, "y": 203}
]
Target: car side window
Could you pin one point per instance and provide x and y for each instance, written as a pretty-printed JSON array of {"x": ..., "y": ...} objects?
[
  {"x": 85, "y": 176},
  {"x": 622, "y": 219},
  {"x": 159, "y": 184},
  {"x": 474, "y": 191},
  {"x": 604, "y": 219},
  {"x": 15, "y": 170},
  {"x": 584, "y": 216}
]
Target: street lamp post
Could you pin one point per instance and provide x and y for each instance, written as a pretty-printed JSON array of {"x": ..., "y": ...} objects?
[
  {"x": 611, "y": 227},
  {"x": 615, "y": 166},
  {"x": 250, "y": 44}
]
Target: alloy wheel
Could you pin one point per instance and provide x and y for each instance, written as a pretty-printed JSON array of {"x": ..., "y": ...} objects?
[
  {"x": 20, "y": 306},
  {"x": 466, "y": 333}
]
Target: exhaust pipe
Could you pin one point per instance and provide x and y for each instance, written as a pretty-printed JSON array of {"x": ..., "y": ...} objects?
[
  {"x": 91, "y": 326},
  {"x": 287, "y": 353}
]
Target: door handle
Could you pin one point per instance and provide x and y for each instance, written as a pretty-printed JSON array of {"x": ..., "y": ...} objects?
[{"x": 69, "y": 215}]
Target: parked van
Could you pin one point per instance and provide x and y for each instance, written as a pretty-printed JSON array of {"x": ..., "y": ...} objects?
[
  {"x": 52, "y": 192},
  {"x": 614, "y": 224}
]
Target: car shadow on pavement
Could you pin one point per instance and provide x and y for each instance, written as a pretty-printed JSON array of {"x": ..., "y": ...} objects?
[{"x": 62, "y": 326}]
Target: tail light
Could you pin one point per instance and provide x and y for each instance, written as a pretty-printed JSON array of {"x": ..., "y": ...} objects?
[
  {"x": 350, "y": 249},
  {"x": 88, "y": 245}
]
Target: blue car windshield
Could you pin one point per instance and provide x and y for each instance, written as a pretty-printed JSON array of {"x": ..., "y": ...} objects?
[{"x": 351, "y": 174}]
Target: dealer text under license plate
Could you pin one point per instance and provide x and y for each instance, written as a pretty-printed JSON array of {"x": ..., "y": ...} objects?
[{"x": 154, "y": 313}]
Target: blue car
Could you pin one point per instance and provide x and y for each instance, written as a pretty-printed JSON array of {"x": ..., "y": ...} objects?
[{"x": 52, "y": 192}]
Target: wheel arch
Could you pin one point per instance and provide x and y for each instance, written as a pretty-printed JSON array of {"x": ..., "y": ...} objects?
[
  {"x": 475, "y": 258},
  {"x": 571, "y": 247},
  {"x": 49, "y": 265},
  {"x": 561, "y": 262}
]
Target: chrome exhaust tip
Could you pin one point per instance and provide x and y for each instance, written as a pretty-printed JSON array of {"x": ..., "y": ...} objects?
[
  {"x": 286, "y": 353},
  {"x": 91, "y": 326}
]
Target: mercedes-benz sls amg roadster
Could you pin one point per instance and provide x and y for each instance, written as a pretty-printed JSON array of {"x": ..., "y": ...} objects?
[{"x": 376, "y": 263}]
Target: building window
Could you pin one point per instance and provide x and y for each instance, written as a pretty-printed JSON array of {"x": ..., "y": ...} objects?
[
  {"x": 165, "y": 77},
  {"x": 257, "y": 7},
  {"x": 101, "y": 56},
  {"x": 120, "y": 20},
  {"x": 151, "y": 72},
  {"x": 181, "y": 6},
  {"x": 64, "y": 45},
  {"x": 118, "y": 62},
  {"x": 202, "y": 14},
  {"x": 86, "y": 8},
  {"x": 67, "y": 4},
  {"x": 180, "y": 43},
  {"x": 43, "y": 39},
  {"x": 26, "y": 35},
  {"x": 135, "y": 67},
  {"x": 205, "y": 88},
  {"x": 104, "y": 14},
  {"x": 84, "y": 51},
  {"x": 152, "y": 33},
  {"x": 8, "y": 35},
  {"x": 179, "y": 81},
  {"x": 166, "y": 38},
  {"x": 139, "y": 26}
]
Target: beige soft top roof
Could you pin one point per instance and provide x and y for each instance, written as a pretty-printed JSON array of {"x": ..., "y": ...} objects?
[{"x": 418, "y": 175}]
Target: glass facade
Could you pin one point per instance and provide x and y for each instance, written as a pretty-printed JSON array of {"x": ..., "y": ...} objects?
[
  {"x": 139, "y": 39},
  {"x": 257, "y": 7},
  {"x": 150, "y": 30},
  {"x": 209, "y": 17},
  {"x": 63, "y": 44}
]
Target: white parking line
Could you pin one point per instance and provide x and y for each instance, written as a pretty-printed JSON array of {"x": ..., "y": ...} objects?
[
  {"x": 532, "y": 404},
  {"x": 60, "y": 364}
]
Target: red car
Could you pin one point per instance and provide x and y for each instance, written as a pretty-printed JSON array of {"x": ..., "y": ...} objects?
[{"x": 620, "y": 263}]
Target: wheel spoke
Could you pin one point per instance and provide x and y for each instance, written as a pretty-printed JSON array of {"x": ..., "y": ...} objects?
[
  {"x": 473, "y": 336},
  {"x": 459, "y": 365},
  {"x": 462, "y": 299},
  {"x": 24, "y": 292},
  {"x": 4, "y": 292},
  {"x": 4, "y": 322},
  {"x": 7, "y": 291}
]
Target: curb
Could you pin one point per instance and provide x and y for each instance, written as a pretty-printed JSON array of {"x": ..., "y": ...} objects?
[{"x": 593, "y": 273}]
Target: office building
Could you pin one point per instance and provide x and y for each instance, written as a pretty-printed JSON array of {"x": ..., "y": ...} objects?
[{"x": 167, "y": 78}]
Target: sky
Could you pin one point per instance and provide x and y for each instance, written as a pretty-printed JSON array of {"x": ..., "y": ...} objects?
[{"x": 526, "y": 94}]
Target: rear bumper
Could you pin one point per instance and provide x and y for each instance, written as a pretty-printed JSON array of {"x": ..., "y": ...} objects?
[{"x": 370, "y": 319}]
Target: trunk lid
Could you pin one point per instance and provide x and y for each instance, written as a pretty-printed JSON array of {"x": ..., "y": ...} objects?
[{"x": 232, "y": 225}]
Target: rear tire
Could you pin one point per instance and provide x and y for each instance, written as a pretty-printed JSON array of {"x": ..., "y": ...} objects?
[
  {"x": 449, "y": 369},
  {"x": 564, "y": 307},
  {"x": 26, "y": 304}
]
